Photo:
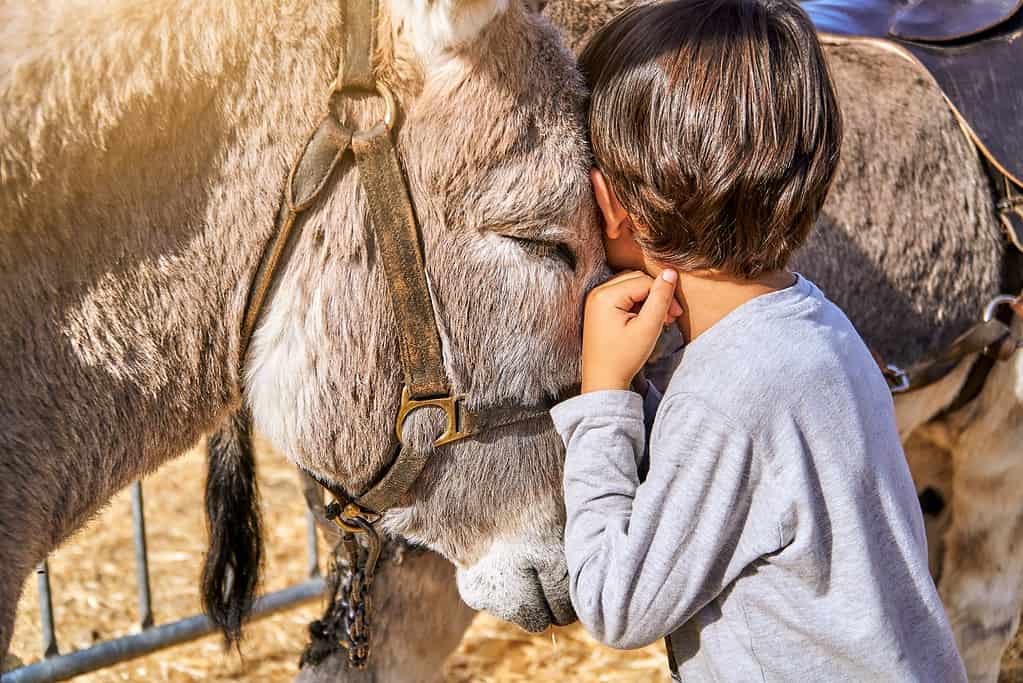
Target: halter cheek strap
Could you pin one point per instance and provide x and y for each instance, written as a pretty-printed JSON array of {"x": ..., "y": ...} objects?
[{"x": 396, "y": 239}]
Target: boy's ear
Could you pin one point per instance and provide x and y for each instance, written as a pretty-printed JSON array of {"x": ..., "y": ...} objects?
[{"x": 614, "y": 213}]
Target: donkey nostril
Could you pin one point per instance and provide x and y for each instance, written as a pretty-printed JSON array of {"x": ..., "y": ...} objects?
[{"x": 931, "y": 502}]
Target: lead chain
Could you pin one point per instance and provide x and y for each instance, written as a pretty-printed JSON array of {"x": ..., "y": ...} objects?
[
  {"x": 355, "y": 606},
  {"x": 355, "y": 590}
]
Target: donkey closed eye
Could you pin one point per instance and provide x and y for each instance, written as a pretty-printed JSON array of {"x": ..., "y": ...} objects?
[{"x": 558, "y": 251}]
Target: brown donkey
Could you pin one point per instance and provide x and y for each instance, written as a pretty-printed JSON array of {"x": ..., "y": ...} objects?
[{"x": 142, "y": 149}]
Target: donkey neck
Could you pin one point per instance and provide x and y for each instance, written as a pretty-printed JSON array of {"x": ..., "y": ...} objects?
[{"x": 136, "y": 207}]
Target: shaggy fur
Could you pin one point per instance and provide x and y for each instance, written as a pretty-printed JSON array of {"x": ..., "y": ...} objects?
[
  {"x": 143, "y": 149},
  {"x": 908, "y": 243},
  {"x": 489, "y": 125}
]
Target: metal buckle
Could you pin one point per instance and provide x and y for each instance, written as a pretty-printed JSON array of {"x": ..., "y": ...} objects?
[
  {"x": 353, "y": 518},
  {"x": 898, "y": 380},
  {"x": 450, "y": 406},
  {"x": 381, "y": 90},
  {"x": 1014, "y": 302}
]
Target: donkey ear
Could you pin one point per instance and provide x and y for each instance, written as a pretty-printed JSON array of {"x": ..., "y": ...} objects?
[{"x": 439, "y": 25}]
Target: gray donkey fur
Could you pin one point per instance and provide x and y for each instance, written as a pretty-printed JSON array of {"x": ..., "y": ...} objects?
[
  {"x": 142, "y": 149},
  {"x": 908, "y": 244}
]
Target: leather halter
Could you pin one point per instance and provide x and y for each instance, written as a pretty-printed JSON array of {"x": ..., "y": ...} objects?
[
  {"x": 991, "y": 340},
  {"x": 397, "y": 238}
]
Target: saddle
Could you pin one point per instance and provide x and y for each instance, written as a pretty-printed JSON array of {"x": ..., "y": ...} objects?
[{"x": 974, "y": 51}]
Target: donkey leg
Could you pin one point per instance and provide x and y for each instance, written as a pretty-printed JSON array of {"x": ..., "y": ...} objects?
[
  {"x": 418, "y": 620},
  {"x": 9, "y": 593},
  {"x": 931, "y": 465},
  {"x": 982, "y": 568},
  {"x": 19, "y": 557}
]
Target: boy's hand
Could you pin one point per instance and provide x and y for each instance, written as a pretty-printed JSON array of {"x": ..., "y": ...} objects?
[{"x": 618, "y": 341}]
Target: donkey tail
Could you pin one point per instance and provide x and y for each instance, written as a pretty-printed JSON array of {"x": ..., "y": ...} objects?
[{"x": 233, "y": 562}]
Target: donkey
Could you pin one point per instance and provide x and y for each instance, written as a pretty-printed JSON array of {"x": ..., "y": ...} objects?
[
  {"x": 909, "y": 245},
  {"x": 142, "y": 149}
]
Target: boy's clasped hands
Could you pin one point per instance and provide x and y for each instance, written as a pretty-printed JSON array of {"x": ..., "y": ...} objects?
[{"x": 617, "y": 338}]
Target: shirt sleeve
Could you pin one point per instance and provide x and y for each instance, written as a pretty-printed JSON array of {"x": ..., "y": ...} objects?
[{"x": 644, "y": 558}]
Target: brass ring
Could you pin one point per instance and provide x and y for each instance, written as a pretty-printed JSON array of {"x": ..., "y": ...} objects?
[
  {"x": 381, "y": 90},
  {"x": 997, "y": 302}
]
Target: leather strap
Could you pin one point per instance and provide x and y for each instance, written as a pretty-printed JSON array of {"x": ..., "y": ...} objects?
[
  {"x": 974, "y": 384},
  {"x": 985, "y": 363},
  {"x": 983, "y": 338},
  {"x": 408, "y": 463},
  {"x": 319, "y": 156},
  {"x": 398, "y": 479},
  {"x": 355, "y": 71},
  {"x": 405, "y": 467},
  {"x": 396, "y": 235},
  {"x": 308, "y": 176}
]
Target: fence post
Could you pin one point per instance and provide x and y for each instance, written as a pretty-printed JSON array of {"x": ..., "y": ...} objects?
[
  {"x": 138, "y": 520},
  {"x": 312, "y": 549},
  {"x": 57, "y": 667},
  {"x": 46, "y": 610}
]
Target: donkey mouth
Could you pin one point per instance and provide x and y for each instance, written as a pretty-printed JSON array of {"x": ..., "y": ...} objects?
[
  {"x": 538, "y": 617},
  {"x": 530, "y": 598},
  {"x": 556, "y": 599},
  {"x": 553, "y": 608}
]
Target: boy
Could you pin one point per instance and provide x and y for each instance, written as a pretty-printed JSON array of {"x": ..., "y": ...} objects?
[{"x": 777, "y": 535}]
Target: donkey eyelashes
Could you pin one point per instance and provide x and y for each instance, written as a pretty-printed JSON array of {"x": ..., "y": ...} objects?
[{"x": 546, "y": 249}]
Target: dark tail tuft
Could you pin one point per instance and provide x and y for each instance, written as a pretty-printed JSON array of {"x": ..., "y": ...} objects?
[{"x": 234, "y": 560}]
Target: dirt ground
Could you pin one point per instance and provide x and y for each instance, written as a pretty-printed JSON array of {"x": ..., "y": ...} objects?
[{"x": 94, "y": 598}]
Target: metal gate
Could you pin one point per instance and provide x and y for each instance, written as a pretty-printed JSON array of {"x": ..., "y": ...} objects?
[{"x": 58, "y": 667}]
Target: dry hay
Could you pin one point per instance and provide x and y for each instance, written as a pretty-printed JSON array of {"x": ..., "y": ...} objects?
[
  {"x": 494, "y": 651},
  {"x": 1012, "y": 662},
  {"x": 94, "y": 598}
]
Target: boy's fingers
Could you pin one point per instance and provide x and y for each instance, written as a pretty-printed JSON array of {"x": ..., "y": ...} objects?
[
  {"x": 674, "y": 311},
  {"x": 628, "y": 292},
  {"x": 659, "y": 299},
  {"x": 623, "y": 292}
]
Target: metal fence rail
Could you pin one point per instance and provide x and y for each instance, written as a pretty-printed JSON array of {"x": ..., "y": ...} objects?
[{"x": 58, "y": 667}]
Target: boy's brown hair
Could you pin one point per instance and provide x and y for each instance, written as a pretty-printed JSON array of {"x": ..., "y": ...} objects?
[{"x": 717, "y": 126}]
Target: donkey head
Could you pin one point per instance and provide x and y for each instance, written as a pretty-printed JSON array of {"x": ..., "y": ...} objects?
[{"x": 493, "y": 147}]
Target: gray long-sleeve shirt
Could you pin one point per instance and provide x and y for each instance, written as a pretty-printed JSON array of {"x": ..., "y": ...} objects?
[{"x": 777, "y": 535}]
